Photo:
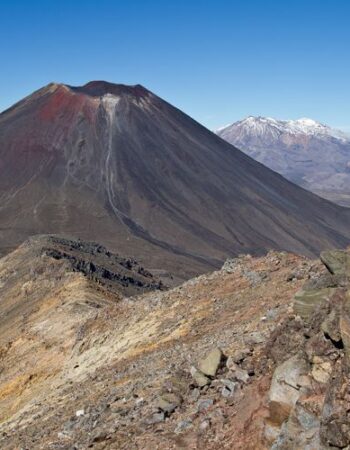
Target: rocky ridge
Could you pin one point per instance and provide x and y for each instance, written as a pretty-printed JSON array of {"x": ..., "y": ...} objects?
[
  {"x": 253, "y": 356},
  {"x": 309, "y": 398}
]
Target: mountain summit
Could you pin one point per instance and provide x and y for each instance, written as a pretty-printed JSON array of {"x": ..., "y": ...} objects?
[
  {"x": 262, "y": 126},
  {"x": 119, "y": 165},
  {"x": 100, "y": 88},
  {"x": 309, "y": 153}
]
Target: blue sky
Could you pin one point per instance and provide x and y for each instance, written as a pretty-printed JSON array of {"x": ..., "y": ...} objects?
[{"x": 219, "y": 61}]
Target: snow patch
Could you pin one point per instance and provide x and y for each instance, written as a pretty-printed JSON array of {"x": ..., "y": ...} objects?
[{"x": 110, "y": 101}]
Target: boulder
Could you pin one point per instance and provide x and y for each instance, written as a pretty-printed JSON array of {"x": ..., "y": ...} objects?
[
  {"x": 211, "y": 363},
  {"x": 199, "y": 377},
  {"x": 301, "y": 431},
  {"x": 231, "y": 364},
  {"x": 306, "y": 302},
  {"x": 194, "y": 395},
  {"x": 155, "y": 418},
  {"x": 236, "y": 373},
  {"x": 177, "y": 383},
  {"x": 330, "y": 326},
  {"x": 238, "y": 356},
  {"x": 183, "y": 425},
  {"x": 336, "y": 261},
  {"x": 321, "y": 369},
  {"x": 168, "y": 402},
  {"x": 241, "y": 375},
  {"x": 285, "y": 388}
]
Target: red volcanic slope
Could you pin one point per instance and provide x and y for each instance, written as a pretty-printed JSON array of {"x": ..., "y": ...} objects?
[{"x": 119, "y": 165}]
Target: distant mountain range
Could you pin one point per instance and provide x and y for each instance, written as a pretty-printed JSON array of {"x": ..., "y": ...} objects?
[{"x": 308, "y": 153}]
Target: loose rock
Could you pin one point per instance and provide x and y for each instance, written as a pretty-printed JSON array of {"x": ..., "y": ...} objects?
[
  {"x": 205, "y": 404},
  {"x": 199, "y": 378},
  {"x": 183, "y": 425},
  {"x": 211, "y": 363},
  {"x": 156, "y": 418},
  {"x": 168, "y": 402}
]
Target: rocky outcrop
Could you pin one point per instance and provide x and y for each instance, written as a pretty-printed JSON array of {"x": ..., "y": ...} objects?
[
  {"x": 97, "y": 263},
  {"x": 307, "y": 301},
  {"x": 335, "y": 416},
  {"x": 344, "y": 328},
  {"x": 309, "y": 399},
  {"x": 286, "y": 388},
  {"x": 337, "y": 262}
]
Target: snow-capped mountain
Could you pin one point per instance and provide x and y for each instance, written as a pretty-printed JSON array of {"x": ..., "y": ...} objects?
[
  {"x": 305, "y": 151},
  {"x": 267, "y": 126}
]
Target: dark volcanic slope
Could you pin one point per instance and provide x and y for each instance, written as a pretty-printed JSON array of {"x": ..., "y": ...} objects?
[{"x": 119, "y": 165}]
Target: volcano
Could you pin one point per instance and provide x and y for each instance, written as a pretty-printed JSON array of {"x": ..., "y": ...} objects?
[
  {"x": 313, "y": 155},
  {"x": 119, "y": 165}
]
